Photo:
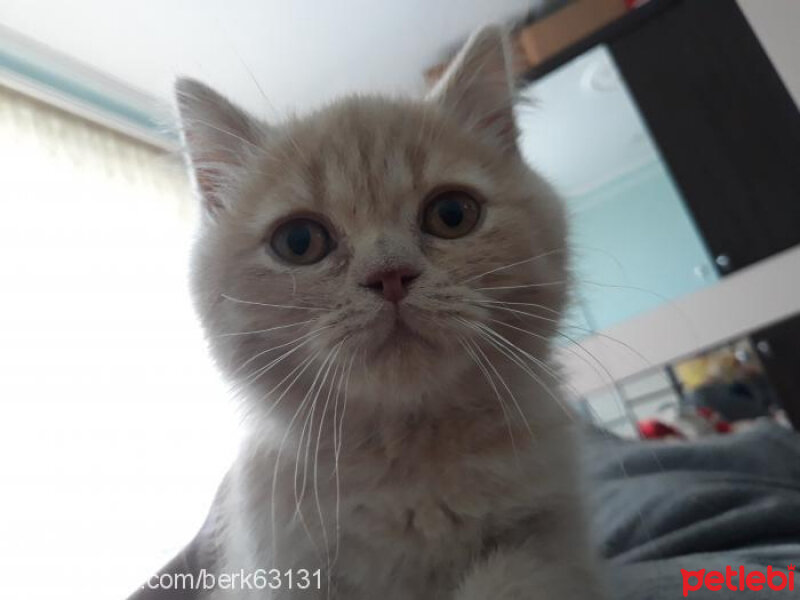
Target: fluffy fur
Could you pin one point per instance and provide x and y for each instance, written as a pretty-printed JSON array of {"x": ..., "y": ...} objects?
[{"x": 418, "y": 450}]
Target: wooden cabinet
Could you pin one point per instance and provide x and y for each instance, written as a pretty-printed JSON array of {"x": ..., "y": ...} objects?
[
  {"x": 720, "y": 115},
  {"x": 725, "y": 124}
]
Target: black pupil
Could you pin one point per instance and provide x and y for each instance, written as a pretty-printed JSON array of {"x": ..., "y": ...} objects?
[
  {"x": 451, "y": 212},
  {"x": 299, "y": 239}
]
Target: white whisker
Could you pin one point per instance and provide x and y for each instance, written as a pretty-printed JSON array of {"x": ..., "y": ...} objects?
[
  {"x": 468, "y": 348},
  {"x": 568, "y": 348},
  {"x": 267, "y": 330},
  {"x": 337, "y": 451},
  {"x": 531, "y": 304},
  {"x": 501, "y": 379},
  {"x": 514, "y": 264},
  {"x": 327, "y": 363},
  {"x": 304, "y": 365},
  {"x": 283, "y": 441},
  {"x": 635, "y": 352},
  {"x": 305, "y": 338},
  {"x": 524, "y": 286},
  {"x": 287, "y": 306},
  {"x": 490, "y": 333},
  {"x": 316, "y": 456}
]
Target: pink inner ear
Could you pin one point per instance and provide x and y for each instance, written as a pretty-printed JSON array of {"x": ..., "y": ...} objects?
[
  {"x": 208, "y": 181},
  {"x": 478, "y": 87},
  {"x": 209, "y": 160},
  {"x": 501, "y": 124}
]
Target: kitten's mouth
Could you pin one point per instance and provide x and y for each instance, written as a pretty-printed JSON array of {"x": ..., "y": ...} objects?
[{"x": 397, "y": 331}]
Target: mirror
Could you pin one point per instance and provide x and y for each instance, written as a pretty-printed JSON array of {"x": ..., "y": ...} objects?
[{"x": 635, "y": 243}]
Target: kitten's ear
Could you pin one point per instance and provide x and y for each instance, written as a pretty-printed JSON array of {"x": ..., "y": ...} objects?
[
  {"x": 478, "y": 87},
  {"x": 217, "y": 138}
]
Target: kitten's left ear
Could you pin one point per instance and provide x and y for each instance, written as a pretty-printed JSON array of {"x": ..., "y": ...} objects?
[
  {"x": 478, "y": 87},
  {"x": 218, "y": 137}
]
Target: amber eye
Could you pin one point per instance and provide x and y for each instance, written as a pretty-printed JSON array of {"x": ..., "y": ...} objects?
[
  {"x": 451, "y": 214},
  {"x": 301, "y": 241}
]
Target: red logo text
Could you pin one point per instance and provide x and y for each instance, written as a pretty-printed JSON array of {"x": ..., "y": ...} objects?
[{"x": 738, "y": 580}]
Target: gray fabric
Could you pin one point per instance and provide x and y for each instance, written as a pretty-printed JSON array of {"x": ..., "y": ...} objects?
[{"x": 658, "y": 507}]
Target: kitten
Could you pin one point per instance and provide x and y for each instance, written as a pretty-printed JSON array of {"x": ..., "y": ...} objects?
[{"x": 382, "y": 280}]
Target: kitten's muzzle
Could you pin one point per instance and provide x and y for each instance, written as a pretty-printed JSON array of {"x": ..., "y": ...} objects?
[{"x": 392, "y": 284}]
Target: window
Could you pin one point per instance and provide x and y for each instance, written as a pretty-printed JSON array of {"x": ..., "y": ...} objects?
[{"x": 115, "y": 431}]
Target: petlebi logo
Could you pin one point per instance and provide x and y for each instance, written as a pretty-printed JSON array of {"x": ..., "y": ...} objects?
[{"x": 739, "y": 580}]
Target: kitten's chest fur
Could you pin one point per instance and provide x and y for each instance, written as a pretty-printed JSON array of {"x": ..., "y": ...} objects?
[{"x": 415, "y": 504}]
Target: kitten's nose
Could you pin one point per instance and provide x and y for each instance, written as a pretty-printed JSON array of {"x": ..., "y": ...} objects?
[{"x": 392, "y": 284}]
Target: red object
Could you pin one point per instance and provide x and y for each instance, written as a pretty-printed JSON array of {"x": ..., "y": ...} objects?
[
  {"x": 723, "y": 427},
  {"x": 653, "y": 429},
  {"x": 720, "y": 425}
]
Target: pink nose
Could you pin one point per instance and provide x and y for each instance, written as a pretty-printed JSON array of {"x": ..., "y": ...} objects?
[{"x": 392, "y": 284}]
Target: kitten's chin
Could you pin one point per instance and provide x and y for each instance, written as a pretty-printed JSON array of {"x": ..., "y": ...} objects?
[{"x": 406, "y": 352}]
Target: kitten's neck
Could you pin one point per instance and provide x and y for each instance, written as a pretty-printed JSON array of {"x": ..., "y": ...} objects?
[
  {"x": 401, "y": 440},
  {"x": 449, "y": 433},
  {"x": 470, "y": 416}
]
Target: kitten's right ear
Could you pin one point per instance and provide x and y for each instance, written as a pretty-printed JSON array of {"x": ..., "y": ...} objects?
[
  {"x": 478, "y": 87},
  {"x": 217, "y": 139}
]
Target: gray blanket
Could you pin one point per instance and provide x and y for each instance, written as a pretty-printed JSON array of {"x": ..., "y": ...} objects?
[{"x": 659, "y": 507}]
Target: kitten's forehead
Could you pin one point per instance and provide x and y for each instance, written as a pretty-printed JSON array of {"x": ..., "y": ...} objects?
[{"x": 369, "y": 158}]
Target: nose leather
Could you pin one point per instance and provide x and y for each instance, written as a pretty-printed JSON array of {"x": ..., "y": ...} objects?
[{"x": 392, "y": 284}]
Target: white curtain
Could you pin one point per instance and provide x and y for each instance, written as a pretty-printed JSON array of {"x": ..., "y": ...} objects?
[{"x": 114, "y": 429}]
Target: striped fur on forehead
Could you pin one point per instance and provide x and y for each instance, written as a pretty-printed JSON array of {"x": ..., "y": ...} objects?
[{"x": 365, "y": 155}]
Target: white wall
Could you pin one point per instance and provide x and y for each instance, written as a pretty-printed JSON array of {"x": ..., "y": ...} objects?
[
  {"x": 777, "y": 25},
  {"x": 301, "y": 52}
]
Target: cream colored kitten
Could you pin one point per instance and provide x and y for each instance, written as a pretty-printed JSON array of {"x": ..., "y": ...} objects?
[{"x": 382, "y": 279}]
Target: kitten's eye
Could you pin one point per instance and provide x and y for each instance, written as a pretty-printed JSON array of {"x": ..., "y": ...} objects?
[
  {"x": 451, "y": 214},
  {"x": 301, "y": 242}
]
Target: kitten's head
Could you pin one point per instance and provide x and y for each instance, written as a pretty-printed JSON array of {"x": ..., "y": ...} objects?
[{"x": 373, "y": 241}]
